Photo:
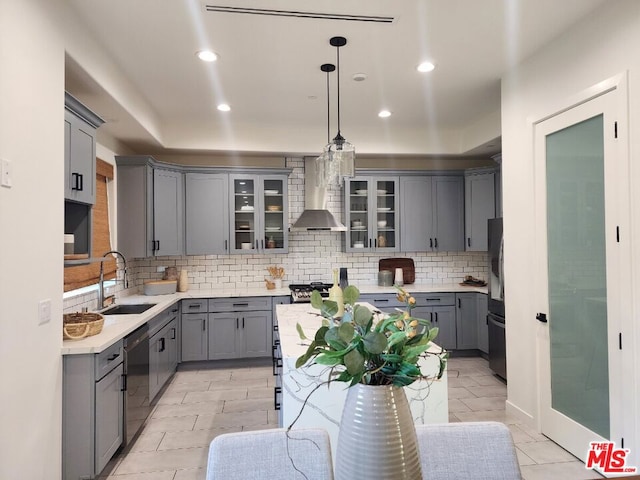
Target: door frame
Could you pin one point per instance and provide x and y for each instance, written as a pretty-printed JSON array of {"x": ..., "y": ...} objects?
[{"x": 621, "y": 362}]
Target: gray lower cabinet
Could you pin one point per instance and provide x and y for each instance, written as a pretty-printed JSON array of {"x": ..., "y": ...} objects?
[
  {"x": 92, "y": 411},
  {"x": 163, "y": 356},
  {"x": 483, "y": 322},
  {"x": 206, "y": 213},
  {"x": 480, "y": 206},
  {"x": 432, "y": 213},
  {"x": 467, "y": 320},
  {"x": 193, "y": 331},
  {"x": 444, "y": 318},
  {"x": 224, "y": 328}
]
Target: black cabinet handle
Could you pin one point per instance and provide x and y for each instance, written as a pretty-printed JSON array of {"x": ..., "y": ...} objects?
[
  {"x": 241, "y": 305},
  {"x": 435, "y": 242},
  {"x": 173, "y": 334},
  {"x": 459, "y": 303},
  {"x": 158, "y": 248},
  {"x": 262, "y": 244},
  {"x": 276, "y": 391},
  {"x": 433, "y": 299},
  {"x": 431, "y": 317},
  {"x": 243, "y": 323},
  {"x": 161, "y": 345},
  {"x": 468, "y": 241},
  {"x": 369, "y": 243},
  {"x": 237, "y": 323},
  {"x": 431, "y": 243},
  {"x": 204, "y": 325},
  {"x": 225, "y": 245},
  {"x": 123, "y": 387},
  {"x": 256, "y": 243},
  {"x": 275, "y": 328},
  {"x": 487, "y": 319},
  {"x": 381, "y": 300},
  {"x": 375, "y": 242},
  {"x": 113, "y": 357},
  {"x": 541, "y": 317},
  {"x": 77, "y": 182},
  {"x": 81, "y": 182},
  {"x": 194, "y": 305},
  {"x": 436, "y": 314}
]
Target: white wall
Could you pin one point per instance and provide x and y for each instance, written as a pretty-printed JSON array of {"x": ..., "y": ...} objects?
[
  {"x": 31, "y": 220},
  {"x": 601, "y": 46}
]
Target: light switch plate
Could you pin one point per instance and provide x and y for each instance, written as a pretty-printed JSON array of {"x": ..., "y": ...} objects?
[
  {"x": 5, "y": 173},
  {"x": 44, "y": 311}
]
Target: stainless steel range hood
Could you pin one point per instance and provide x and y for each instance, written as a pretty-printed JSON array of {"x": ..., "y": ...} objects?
[{"x": 315, "y": 215}]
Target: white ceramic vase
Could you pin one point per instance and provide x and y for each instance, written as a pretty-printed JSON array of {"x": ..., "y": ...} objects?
[{"x": 377, "y": 438}]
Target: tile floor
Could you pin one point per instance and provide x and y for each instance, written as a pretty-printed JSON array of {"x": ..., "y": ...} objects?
[{"x": 205, "y": 400}]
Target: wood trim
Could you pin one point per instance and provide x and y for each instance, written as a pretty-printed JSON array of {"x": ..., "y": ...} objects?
[{"x": 105, "y": 169}]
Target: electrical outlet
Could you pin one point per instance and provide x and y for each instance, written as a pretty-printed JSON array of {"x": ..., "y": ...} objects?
[
  {"x": 44, "y": 311},
  {"x": 5, "y": 173}
]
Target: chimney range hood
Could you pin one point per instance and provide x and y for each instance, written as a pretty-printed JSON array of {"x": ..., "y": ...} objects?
[{"x": 315, "y": 215}]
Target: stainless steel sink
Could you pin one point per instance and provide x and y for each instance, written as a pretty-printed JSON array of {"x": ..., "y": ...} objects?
[{"x": 131, "y": 309}]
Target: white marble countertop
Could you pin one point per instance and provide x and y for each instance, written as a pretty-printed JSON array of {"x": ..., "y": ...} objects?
[{"x": 423, "y": 288}]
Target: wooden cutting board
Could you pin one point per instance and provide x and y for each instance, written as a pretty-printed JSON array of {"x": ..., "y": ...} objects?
[{"x": 406, "y": 264}]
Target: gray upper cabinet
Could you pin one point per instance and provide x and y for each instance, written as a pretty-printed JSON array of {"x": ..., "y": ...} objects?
[
  {"x": 432, "y": 213},
  {"x": 372, "y": 214},
  {"x": 80, "y": 126},
  {"x": 206, "y": 213},
  {"x": 150, "y": 209},
  {"x": 480, "y": 206},
  {"x": 168, "y": 219}
]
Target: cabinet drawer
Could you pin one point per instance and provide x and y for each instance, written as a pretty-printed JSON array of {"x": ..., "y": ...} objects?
[
  {"x": 160, "y": 320},
  {"x": 108, "y": 359},
  {"x": 381, "y": 300},
  {"x": 239, "y": 304},
  {"x": 434, "y": 299},
  {"x": 194, "y": 305}
]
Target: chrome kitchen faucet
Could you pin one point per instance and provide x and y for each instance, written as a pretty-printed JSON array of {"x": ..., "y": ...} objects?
[{"x": 101, "y": 297}]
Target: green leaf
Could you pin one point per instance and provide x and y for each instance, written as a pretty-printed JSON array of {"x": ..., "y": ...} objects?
[
  {"x": 411, "y": 354},
  {"x": 354, "y": 362},
  {"x": 326, "y": 359},
  {"x": 301, "y": 332},
  {"x": 316, "y": 300},
  {"x": 311, "y": 351},
  {"x": 361, "y": 315},
  {"x": 319, "y": 337},
  {"x": 351, "y": 294},
  {"x": 396, "y": 338},
  {"x": 375, "y": 342},
  {"x": 345, "y": 332},
  {"x": 433, "y": 333},
  {"x": 384, "y": 324},
  {"x": 391, "y": 357},
  {"x": 344, "y": 377},
  {"x": 347, "y": 317},
  {"x": 333, "y": 339},
  {"x": 329, "y": 308}
]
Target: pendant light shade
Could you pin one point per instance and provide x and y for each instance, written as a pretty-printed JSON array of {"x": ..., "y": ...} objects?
[{"x": 337, "y": 160}]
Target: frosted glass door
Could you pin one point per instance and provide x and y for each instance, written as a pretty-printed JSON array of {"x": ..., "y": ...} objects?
[{"x": 577, "y": 274}]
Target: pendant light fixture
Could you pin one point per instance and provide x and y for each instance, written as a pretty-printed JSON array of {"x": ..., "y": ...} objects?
[
  {"x": 325, "y": 171},
  {"x": 342, "y": 152}
]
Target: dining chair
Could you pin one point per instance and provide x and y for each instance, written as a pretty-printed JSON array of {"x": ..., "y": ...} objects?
[
  {"x": 271, "y": 455},
  {"x": 467, "y": 451}
]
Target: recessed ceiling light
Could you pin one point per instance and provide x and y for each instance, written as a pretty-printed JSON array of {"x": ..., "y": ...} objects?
[
  {"x": 207, "y": 56},
  {"x": 384, "y": 113},
  {"x": 359, "y": 77},
  {"x": 425, "y": 67},
  {"x": 223, "y": 107}
]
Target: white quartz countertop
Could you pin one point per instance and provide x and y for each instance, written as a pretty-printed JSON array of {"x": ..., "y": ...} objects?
[{"x": 117, "y": 327}]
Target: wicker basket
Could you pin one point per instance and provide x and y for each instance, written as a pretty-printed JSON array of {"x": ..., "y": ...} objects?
[{"x": 80, "y": 325}]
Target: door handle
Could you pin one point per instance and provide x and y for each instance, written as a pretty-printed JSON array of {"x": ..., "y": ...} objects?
[
  {"x": 123, "y": 387},
  {"x": 541, "y": 317},
  {"x": 162, "y": 346}
]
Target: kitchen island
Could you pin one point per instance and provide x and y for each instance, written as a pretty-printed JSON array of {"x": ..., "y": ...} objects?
[{"x": 323, "y": 408}]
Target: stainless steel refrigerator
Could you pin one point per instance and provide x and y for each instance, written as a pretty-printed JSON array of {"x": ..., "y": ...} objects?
[{"x": 496, "y": 318}]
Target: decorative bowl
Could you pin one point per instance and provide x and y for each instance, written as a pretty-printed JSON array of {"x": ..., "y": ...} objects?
[{"x": 382, "y": 223}]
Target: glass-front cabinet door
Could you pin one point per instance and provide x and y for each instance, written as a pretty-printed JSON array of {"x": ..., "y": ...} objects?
[
  {"x": 371, "y": 206},
  {"x": 245, "y": 221},
  {"x": 259, "y": 214},
  {"x": 275, "y": 238}
]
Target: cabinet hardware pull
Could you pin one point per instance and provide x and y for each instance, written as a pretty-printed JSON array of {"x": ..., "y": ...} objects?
[
  {"x": 243, "y": 322},
  {"x": 468, "y": 241},
  {"x": 204, "y": 325},
  {"x": 375, "y": 242},
  {"x": 173, "y": 334},
  {"x": 436, "y": 314},
  {"x": 262, "y": 244},
  {"x": 487, "y": 319},
  {"x": 113, "y": 357},
  {"x": 431, "y": 317},
  {"x": 256, "y": 243},
  {"x": 435, "y": 242},
  {"x": 431, "y": 243},
  {"x": 161, "y": 345},
  {"x": 541, "y": 317},
  {"x": 194, "y": 305},
  {"x": 380, "y": 300},
  {"x": 158, "y": 245},
  {"x": 237, "y": 323},
  {"x": 276, "y": 392},
  {"x": 433, "y": 299},
  {"x": 275, "y": 328},
  {"x": 459, "y": 303},
  {"x": 123, "y": 387},
  {"x": 240, "y": 304},
  {"x": 225, "y": 245}
]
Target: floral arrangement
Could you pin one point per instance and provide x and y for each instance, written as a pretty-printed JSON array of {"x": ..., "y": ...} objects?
[{"x": 360, "y": 350}]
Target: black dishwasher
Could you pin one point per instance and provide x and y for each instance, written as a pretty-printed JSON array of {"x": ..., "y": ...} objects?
[{"x": 136, "y": 371}]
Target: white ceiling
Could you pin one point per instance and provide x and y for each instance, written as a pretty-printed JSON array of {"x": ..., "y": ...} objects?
[{"x": 269, "y": 71}]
